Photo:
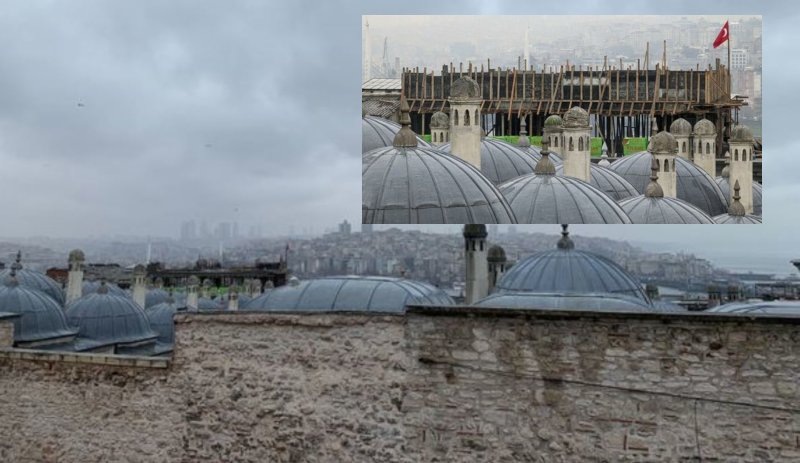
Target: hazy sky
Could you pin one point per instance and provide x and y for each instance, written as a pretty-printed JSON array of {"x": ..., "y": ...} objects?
[{"x": 273, "y": 87}]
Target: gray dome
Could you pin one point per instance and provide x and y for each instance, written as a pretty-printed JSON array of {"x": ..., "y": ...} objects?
[
  {"x": 695, "y": 186},
  {"x": 205, "y": 304},
  {"x": 36, "y": 281},
  {"x": 160, "y": 317},
  {"x": 501, "y": 161},
  {"x": 349, "y": 294},
  {"x": 545, "y": 198},
  {"x": 104, "y": 318},
  {"x": 554, "y": 121},
  {"x": 41, "y": 318},
  {"x": 565, "y": 270},
  {"x": 680, "y": 126},
  {"x": 377, "y": 132},
  {"x": 607, "y": 181},
  {"x": 737, "y": 219},
  {"x": 424, "y": 185},
  {"x": 154, "y": 297},
  {"x": 575, "y": 117},
  {"x": 90, "y": 287},
  {"x": 741, "y": 134},
  {"x": 705, "y": 127},
  {"x": 645, "y": 210},
  {"x": 725, "y": 188},
  {"x": 465, "y": 88},
  {"x": 440, "y": 120},
  {"x": 581, "y": 302},
  {"x": 760, "y": 308}
]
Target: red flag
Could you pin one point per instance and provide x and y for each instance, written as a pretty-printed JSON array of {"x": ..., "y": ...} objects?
[{"x": 722, "y": 36}]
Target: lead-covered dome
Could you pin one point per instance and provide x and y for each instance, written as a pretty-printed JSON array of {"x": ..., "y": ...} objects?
[
  {"x": 41, "y": 318},
  {"x": 160, "y": 317},
  {"x": 350, "y": 294},
  {"x": 566, "y": 270},
  {"x": 501, "y": 161},
  {"x": 105, "y": 319},
  {"x": 377, "y": 132},
  {"x": 34, "y": 280},
  {"x": 607, "y": 181},
  {"x": 646, "y": 210},
  {"x": 89, "y": 287},
  {"x": 155, "y": 296},
  {"x": 694, "y": 185}
]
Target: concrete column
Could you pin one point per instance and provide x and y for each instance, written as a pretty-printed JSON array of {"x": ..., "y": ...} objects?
[
  {"x": 139, "y": 285},
  {"x": 233, "y": 298},
  {"x": 497, "y": 265},
  {"x": 553, "y": 133},
  {"x": 705, "y": 146},
  {"x": 664, "y": 150},
  {"x": 741, "y": 167},
  {"x": 465, "y": 127},
  {"x": 192, "y": 295},
  {"x": 681, "y": 129},
  {"x": 576, "y": 152},
  {"x": 475, "y": 260},
  {"x": 75, "y": 275}
]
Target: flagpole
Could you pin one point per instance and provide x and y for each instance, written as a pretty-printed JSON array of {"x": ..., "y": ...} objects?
[{"x": 729, "y": 53}]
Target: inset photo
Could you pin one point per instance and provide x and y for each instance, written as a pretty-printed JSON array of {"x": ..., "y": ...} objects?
[{"x": 561, "y": 119}]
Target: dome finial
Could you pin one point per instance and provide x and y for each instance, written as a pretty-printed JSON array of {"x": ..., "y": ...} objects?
[
  {"x": 653, "y": 189},
  {"x": 565, "y": 242},
  {"x": 545, "y": 166},
  {"x": 524, "y": 141},
  {"x": 17, "y": 265},
  {"x": 405, "y": 138},
  {"x": 736, "y": 207}
]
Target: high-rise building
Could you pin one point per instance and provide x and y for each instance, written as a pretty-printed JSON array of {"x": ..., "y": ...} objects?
[{"x": 345, "y": 228}]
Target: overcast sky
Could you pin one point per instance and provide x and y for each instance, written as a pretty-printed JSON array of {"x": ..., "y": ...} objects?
[{"x": 248, "y": 111}]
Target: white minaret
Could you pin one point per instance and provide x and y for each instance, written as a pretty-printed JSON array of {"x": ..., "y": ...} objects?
[
  {"x": 366, "y": 71},
  {"x": 681, "y": 129},
  {"x": 497, "y": 265},
  {"x": 440, "y": 128},
  {"x": 553, "y": 133},
  {"x": 75, "y": 275},
  {"x": 576, "y": 144},
  {"x": 139, "y": 285},
  {"x": 233, "y": 298},
  {"x": 741, "y": 168},
  {"x": 192, "y": 296},
  {"x": 475, "y": 260},
  {"x": 664, "y": 148},
  {"x": 705, "y": 146},
  {"x": 465, "y": 123}
]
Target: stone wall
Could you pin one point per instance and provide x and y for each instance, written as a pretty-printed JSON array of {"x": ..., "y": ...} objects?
[{"x": 431, "y": 386}]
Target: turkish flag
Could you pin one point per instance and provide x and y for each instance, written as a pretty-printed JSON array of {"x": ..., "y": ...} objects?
[{"x": 722, "y": 36}]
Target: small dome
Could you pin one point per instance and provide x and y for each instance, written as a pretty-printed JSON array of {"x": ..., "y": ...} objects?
[
  {"x": 377, "y": 132},
  {"x": 36, "y": 281},
  {"x": 440, "y": 120},
  {"x": 663, "y": 143},
  {"x": 90, "y": 287},
  {"x": 725, "y": 187},
  {"x": 741, "y": 134},
  {"x": 705, "y": 127},
  {"x": 646, "y": 210},
  {"x": 576, "y": 117},
  {"x": 607, "y": 181},
  {"x": 76, "y": 255},
  {"x": 160, "y": 317},
  {"x": 566, "y": 270},
  {"x": 154, "y": 297},
  {"x": 543, "y": 198},
  {"x": 501, "y": 161},
  {"x": 581, "y": 302},
  {"x": 41, "y": 317},
  {"x": 465, "y": 88},
  {"x": 104, "y": 319},
  {"x": 423, "y": 185},
  {"x": 680, "y": 126},
  {"x": 349, "y": 294},
  {"x": 554, "y": 121},
  {"x": 496, "y": 254},
  {"x": 695, "y": 186}
]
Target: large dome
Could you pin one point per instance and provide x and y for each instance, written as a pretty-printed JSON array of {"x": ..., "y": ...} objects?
[
  {"x": 725, "y": 187},
  {"x": 349, "y": 294},
  {"x": 542, "y": 198},
  {"x": 377, "y": 132},
  {"x": 423, "y": 185},
  {"x": 90, "y": 287},
  {"x": 607, "y": 181},
  {"x": 595, "y": 302},
  {"x": 566, "y": 270},
  {"x": 34, "y": 280},
  {"x": 501, "y": 161},
  {"x": 105, "y": 319},
  {"x": 645, "y": 210},
  {"x": 41, "y": 318},
  {"x": 695, "y": 186}
]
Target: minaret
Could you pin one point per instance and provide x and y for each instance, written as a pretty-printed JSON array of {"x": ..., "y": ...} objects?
[
  {"x": 233, "y": 298},
  {"x": 465, "y": 122},
  {"x": 553, "y": 133},
  {"x": 192, "y": 296},
  {"x": 705, "y": 146},
  {"x": 440, "y": 128},
  {"x": 741, "y": 168},
  {"x": 523, "y": 141},
  {"x": 139, "y": 285},
  {"x": 497, "y": 265},
  {"x": 366, "y": 71},
  {"x": 577, "y": 145},
  {"x": 681, "y": 129},
  {"x": 475, "y": 260},
  {"x": 75, "y": 275},
  {"x": 663, "y": 148}
]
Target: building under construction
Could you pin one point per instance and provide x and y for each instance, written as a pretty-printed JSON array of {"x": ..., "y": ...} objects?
[{"x": 621, "y": 101}]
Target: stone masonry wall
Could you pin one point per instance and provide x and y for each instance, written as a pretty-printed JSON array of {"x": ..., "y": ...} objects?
[{"x": 430, "y": 386}]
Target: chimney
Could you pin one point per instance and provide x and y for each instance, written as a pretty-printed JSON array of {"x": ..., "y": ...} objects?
[
  {"x": 139, "y": 285},
  {"x": 741, "y": 166},
  {"x": 576, "y": 144},
  {"x": 465, "y": 123},
  {"x": 75, "y": 275},
  {"x": 192, "y": 296},
  {"x": 475, "y": 260},
  {"x": 233, "y": 298}
]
